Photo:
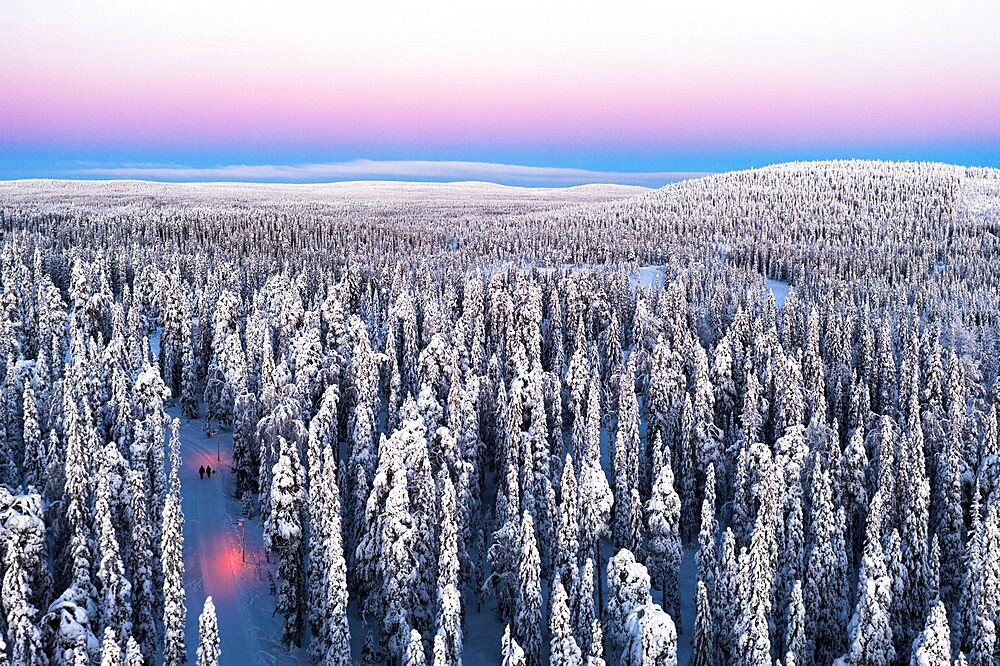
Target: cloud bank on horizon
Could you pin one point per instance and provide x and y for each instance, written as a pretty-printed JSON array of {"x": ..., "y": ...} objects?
[
  {"x": 363, "y": 169},
  {"x": 634, "y": 87}
]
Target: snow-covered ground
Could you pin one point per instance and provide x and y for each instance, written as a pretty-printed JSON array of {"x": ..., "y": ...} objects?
[
  {"x": 779, "y": 289},
  {"x": 646, "y": 276}
]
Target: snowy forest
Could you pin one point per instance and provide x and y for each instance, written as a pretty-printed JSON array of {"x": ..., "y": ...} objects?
[{"x": 749, "y": 419}]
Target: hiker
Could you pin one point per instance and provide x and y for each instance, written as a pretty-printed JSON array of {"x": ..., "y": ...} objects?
[
  {"x": 201, "y": 472},
  {"x": 208, "y": 470}
]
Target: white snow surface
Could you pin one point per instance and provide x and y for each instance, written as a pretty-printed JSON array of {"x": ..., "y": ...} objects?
[{"x": 779, "y": 289}]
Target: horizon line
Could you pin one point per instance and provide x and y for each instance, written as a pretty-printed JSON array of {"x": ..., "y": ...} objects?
[{"x": 431, "y": 171}]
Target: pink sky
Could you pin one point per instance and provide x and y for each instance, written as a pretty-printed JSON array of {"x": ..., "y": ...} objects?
[{"x": 529, "y": 76}]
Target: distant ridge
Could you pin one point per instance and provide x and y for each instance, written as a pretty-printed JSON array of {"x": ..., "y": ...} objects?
[{"x": 383, "y": 191}]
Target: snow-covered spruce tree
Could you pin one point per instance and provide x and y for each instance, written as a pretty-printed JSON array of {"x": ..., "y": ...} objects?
[
  {"x": 438, "y": 654},
  {"x": 914, "y": 506},
  {"x": 139, "y": 565},
  {"x": 394, "y": 380},
  {"x": 308, "y": 362},
  {"x": 226, "y": 380},
  {"x": 189, "y": 371},
  {"x": 870, "y": 631},
  {"x": 226, "y": 349},
  {"x": 366, "y": 559},
  {"x": 510, "y": 652},
  {"x": 795, "y": 628},
  {"x": 543, "y": 491},
  {"x": 884, "y": 395},
  {"x": 897, "y": 578},
  {"x": 150, "y": 419},
  {"x": 684, "y": 455},
  {"x": 470, "y": 478},
  {"x": 982, "y": 590},
  {"x": 133, "y": 655},
  {"x": 933, "y": 644},
  {"x": 626, "y": 457},
  {"x": 824, "y": 628},
  {"x": 111, "y": 651},
  {"x": 727, "y": 593},
  {"x": 635, "y": 534},
  {"x": 596, "y": 500},
  {"x": 813, "y": 381},
  {"x": 175, "y": 315},
  {"x": 422, "y": 494},
  {"x": 71, "y": 631},
  {"x": 705, "y": 435},
  {"x": 22, "y": 531},
  {"x": 566, "y": 558},
  {"x": 415, "y": 655},
  {"x": 434, "y": 372},
  {"x": 704, "y": 648},
  {"x": 595, "y": 657},
  {"x": 950, "y": 524},
  {"x": 283, "y": 536},
  {"x": 283, "y": 411},
  {"x": 334, "y": 635},
  {"x": 855, "y": 494},
  {"x": 449, "y": 600},
  {"x": 790, "y": 560},
  {"x": 362, "y": 385},
  {"x": 35, "y": 458},
  {"x": 652, "y": 638},
  {"x": 663, "y": 549},
  {"x": 722, "y": 375},
  {"x": 505, "y": 550},
  {"x": 563, "y": 648},
  {"x": 969, "y": 613},
  {"x": 409, "y": 342},
  {"x": 578, "y": 376},
  {"x": 246, "y": 415},
  {"x": 319, "y": 436},
  {"x": 582, "y": 604},
  {"x": 789, "y": 408},
  {"x": 628, "y": 589},
  {"x": 988, "y": 470},
  {"x": 934, "y": 572},
  {"x": 75, "y": 500},
  {"x": 756, "y": 574},
  {"x": 116, "y": 610},
  {"x": 611, "y": 348},
  {"x": 395, "y": 555},
  {"x": 707, "y": 535},
  {"x": 174, "y": 612},
  {"x": 208, "y": 633},
  {"x": 528, "y": 618}
]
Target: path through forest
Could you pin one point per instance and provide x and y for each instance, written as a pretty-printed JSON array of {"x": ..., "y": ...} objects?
[{"x": 213, "y": 563}]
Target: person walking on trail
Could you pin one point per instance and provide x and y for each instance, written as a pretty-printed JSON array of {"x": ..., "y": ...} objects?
[
  {"x": 208, "y": 470},
  {"x": 201, "y": 472}
]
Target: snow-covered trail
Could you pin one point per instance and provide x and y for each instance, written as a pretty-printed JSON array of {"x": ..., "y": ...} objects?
[{"x": 213, "y": 560}]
